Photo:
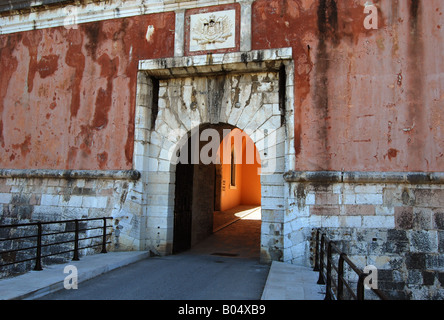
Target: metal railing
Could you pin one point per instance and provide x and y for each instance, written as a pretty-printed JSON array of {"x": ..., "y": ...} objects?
[
  {"x": 35, "y": 236},
  {"x": 325, "y": 278}
]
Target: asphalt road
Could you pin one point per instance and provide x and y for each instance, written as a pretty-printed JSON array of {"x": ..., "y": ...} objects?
[
  {"x": 223, "y": 267},
  {"x": 179, "y": 277}
]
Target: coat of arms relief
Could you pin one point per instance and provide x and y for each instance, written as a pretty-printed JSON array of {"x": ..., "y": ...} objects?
[{"x": 212, "y": 31}]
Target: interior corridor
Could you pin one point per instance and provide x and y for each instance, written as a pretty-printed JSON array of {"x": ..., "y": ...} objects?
[{"x": 237, "y": 233}]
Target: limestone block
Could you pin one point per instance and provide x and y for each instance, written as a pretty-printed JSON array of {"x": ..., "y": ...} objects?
[
  {"x": 94, "y": 202},
  {"x": 423, "y": 241},
  {"x": 298, "y": 209},
  {"x": 378, "y": 222},
  {"x": 272, "y": 180},
  {"x": 350, "y": 221},
  {"x": 327, "y": 198},
  {"x": 72, "y": 201},
  {"x": 331, "y": 221},
  {"x": 160, "y": 188},
  {"x": 359, "y": 210},
  {"x": 5, "y": 198},
  {"x": 324, "y": 210},
  {"x": 272, "y": 191},
  {"x": 369, "y": 198}
]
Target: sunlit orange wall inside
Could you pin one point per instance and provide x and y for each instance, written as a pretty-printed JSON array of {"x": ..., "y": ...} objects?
[{"x": 248, "y": 187}]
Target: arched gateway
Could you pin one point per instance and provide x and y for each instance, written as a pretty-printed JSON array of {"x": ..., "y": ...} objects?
[{"x": 252, "y": 91}]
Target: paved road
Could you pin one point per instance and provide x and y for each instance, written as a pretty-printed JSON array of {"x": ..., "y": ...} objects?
[
  {"x": 180, "y": 277},
  {"x": 224, "y": 267}
]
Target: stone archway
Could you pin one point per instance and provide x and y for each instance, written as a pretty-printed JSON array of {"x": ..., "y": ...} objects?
[
  {"x": 252, "y": 91},
  {"x": 211, "y": 183}
]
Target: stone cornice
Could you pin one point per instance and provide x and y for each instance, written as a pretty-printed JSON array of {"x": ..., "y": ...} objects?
[
  {"x": 70, "y": 174},
  {"x": 365, "y": 177},
  {"x": 97, "y": 11},
  {"x": 257, "y": 60}
]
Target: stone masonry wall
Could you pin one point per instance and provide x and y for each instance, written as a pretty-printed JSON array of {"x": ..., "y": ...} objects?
[
  {"x": 53, "y": 195},
  {"x": 398, "y": 227}
]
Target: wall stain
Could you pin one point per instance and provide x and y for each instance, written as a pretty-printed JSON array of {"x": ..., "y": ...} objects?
[
  {"x": 328, "y": 21},
  {"x": 93, "y": 31},
  {"x": 85, "y": 139},
  {"x": 392, "y": 153},
  {"x": 47, "y": 65},
  {"x": 32, "y": 40},
  {"x": 102, "y": 159},
  {"x": 24, "y": 147},
  {"x": 109, "y": 68},
  {"x": 414, "y": 13},
  {"x": 415, "y": 91},
  {"x": 2, "y": 138},
  {"x": 8, "y": 66},
  {"x": 72, "y": 155},
  {"x": 75, "y": 59},
  {"x": 301, "y": 196},
  {"x": 327, "y": 30}
]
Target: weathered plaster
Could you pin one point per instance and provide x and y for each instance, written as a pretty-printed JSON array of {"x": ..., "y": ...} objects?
[{"x": 69, "y": 103}]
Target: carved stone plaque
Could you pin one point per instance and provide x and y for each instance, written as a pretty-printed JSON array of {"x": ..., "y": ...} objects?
[{"x": 213, "y": 30}]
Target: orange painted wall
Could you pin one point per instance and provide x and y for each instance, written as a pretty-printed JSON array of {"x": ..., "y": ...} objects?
[
  {"x": 67, "y": 96},
  {"x": 248, "y": 189},
  {"x": 365, "y": 100},
  {"x": 230, "y": 196},
  {"x": 251, "y": 184}
]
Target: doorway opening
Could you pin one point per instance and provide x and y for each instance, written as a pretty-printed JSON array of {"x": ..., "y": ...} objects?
[{"x": 217, "y": 184}]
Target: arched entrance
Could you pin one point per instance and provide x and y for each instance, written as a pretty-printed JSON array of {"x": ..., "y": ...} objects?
[
  {"x": 217, "y": 181},
  {"x": 251, "y": 91}
]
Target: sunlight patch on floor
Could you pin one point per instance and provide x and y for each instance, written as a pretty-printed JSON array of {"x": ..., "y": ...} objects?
[
  {"x": 242, "y": 212},
  {"x": 251, "y": 214}
]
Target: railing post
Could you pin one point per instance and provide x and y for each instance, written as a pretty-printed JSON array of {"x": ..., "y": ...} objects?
[
  {"x": 76, "y": 241},
  {"x": 328, "y": 288},
  {"x": 104, "y": 236},
  {"x": 321, "y": 261},
  {"x": 38, "y": 258},
  {"x": 316, "y": 267},
  {"x": 340, "y": 276},
  {"x": 360, "y": 288}
]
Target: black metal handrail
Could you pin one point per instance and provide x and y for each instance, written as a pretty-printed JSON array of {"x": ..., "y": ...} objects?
[
  {"x": 40, "y": 234},
  {"x": 326, "y": 279}
]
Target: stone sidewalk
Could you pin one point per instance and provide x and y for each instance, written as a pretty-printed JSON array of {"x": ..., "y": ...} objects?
[
  {"x": 290, "y": 282},
  {"x": 35, "y": 284}
]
